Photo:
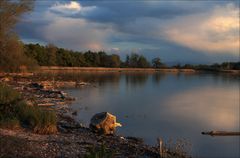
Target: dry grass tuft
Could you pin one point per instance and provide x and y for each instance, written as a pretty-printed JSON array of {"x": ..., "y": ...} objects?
[{"x": 14, "y": 113}]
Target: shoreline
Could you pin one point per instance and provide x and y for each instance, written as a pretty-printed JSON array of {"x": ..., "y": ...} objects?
[
  {"x": 73, "y": 139},
  {"x": 105, "y": 69},
  {"x": 58, "y": 69}
]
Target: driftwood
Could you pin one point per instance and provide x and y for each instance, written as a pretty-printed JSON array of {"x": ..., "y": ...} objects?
[
  {"x": 46, "y": 104},
  {"x": 221, "y": 133},
  {"x": 160, "y": 146}
]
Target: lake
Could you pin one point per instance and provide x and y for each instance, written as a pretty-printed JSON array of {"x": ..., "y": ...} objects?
[{"x": 167, "y": 105}]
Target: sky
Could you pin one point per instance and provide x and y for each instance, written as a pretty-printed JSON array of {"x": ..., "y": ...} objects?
[{"x": 195, "y": 32}]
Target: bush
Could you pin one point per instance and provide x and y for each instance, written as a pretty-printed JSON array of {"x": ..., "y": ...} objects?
[
  {"x": 14, "y": 111},
  {"x": 8, "y": 99},
  {"x": 39, "y": 120},
  {"x": 8, "y": 95}
]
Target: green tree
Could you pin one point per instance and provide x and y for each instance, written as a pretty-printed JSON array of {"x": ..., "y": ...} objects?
[
  {"x": 156, "y": 62},
  {"x": 115, "y": 61},
  {"x": 127, "y": 61},
  {"x": 80, "y": 61},
  {"x": 142, "y": 62},
  {"x": 103, "y": 59},
  {"x": 51, "y": 52},
  {"x": 11, "y": 49},
  {"x": 133, "y": 60},
  {"x": 136, "y": 60},
  {"x": 36, "y": 52},
  {"x": 92, "y": 58}
]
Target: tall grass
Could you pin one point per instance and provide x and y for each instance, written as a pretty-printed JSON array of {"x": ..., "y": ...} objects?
[
  {"x": 8, "y": 100},
  {"x": 14, "y": 112}
]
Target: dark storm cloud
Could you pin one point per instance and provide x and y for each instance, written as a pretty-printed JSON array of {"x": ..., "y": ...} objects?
[
  {"x": 124, "y": 25},
  {"x": 122, "y": 12}
]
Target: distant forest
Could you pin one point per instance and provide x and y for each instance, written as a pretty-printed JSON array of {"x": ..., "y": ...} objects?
[{"x": 51, "y": 55}]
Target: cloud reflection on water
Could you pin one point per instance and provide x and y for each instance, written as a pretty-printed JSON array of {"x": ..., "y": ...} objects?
[{"x": 216, "y": 108}]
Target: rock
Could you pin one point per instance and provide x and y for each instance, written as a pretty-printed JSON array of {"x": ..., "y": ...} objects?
[
  {"x": 36, "y": 85},
  {"x": 47, "y": 85},
  {"x": 104, "y": 123},
  {"x": 135, "y": 139},
  {"x": 75, "y": 113},
  {"x": 6, "y": 79}
]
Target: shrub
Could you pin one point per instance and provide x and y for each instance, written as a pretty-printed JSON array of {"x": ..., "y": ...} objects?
[
  {"x": 39, "y": 120},
  {"x": 15, "y": 112},
  {"x": 8, "y": 100},
  {"x": 8, "y": 95}
]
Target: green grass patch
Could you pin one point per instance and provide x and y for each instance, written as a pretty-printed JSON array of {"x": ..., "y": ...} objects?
[{"x": 14, "y": 112}]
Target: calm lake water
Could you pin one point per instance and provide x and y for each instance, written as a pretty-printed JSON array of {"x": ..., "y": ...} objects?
[{"x": 171, "y": 106}]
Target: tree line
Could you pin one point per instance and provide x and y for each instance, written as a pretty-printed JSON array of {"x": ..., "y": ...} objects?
[
  {"x": 51, "y": 55},
  {"x": 211, "y": 67}
]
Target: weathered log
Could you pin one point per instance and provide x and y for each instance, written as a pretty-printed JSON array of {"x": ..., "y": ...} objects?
[
  {"x": 221, "y": 133},
  {"x": 160, "y": 146}
]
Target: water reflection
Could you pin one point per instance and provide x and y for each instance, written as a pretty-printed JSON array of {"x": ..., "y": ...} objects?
[
  {"x": 157, "y": 77},
  {"x": 136, "y": 80},
  {"x": 214, "y": 107},
  {"x": 167, "y": 105}
]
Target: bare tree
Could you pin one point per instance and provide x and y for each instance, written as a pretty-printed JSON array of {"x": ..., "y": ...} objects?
[{"x": 11, "y": 48}]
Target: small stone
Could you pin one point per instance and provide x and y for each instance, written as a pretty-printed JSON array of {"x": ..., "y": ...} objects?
[{"x": 74, "y": 113}]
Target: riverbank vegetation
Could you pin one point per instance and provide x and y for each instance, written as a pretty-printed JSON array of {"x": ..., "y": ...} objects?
[
  {"x": 15, "y": 113},
  {"x": 51, "y": 55},
  {"x": 212, "y": 67}
]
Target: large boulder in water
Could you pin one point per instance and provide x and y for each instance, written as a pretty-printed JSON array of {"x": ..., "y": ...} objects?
[{"x": 104, "y": 123}]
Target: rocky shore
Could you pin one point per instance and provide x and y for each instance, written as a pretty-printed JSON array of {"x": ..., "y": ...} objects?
[{"x": 72, "y": 139}]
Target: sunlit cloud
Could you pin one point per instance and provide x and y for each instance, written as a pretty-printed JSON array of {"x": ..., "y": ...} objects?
[
  {"x": 115, "y": 49},
  {"x": 77, "y": 34},
  {"x": 213, "y": 32},
  {"x": 70, "y": 8}
]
